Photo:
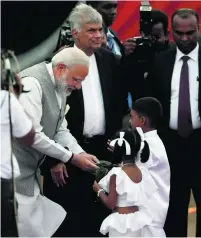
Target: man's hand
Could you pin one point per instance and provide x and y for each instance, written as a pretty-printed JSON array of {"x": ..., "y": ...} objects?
[
  {"x": 59, "y": 173},
  {"x": 110, "y": 148},
  {"x": 85, "y": 161},
  {"x": 129, "y": 46}
]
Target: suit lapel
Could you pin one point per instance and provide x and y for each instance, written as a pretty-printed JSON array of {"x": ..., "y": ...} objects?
[
  {"x": 169, "y": 65},
  {"x": 81, "y": 100},
  {"x": 199, "y": 78},
  {"x": 102, "y": 70}
]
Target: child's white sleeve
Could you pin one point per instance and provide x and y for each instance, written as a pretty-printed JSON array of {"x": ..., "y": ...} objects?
[{"x": 105, "y": 181}]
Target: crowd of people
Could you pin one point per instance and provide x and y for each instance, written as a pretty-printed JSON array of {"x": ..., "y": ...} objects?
[{"x": 94, "y": 100}]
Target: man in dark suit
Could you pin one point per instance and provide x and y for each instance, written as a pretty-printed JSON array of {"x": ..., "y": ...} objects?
[
  {"x": 95, "y": 114},
  {"x": 108, "y": 11},
  {"x": 175, "y": 81}
]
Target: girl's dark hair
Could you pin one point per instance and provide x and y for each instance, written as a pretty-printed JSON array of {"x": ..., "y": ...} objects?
[{"x": 134, "y": 140}]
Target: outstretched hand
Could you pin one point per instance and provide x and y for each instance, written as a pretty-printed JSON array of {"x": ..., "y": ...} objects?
[{"x": 85, "y": 161}]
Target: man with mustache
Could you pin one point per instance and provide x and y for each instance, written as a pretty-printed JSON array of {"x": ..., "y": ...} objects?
[{"x": 47, "y": 86}]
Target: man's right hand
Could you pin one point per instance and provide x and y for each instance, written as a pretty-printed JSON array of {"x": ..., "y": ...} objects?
[
  {"x": 59, "y": 174},
  {"x": 129, "y": 46},
  {"x": 85, "y": 161}
]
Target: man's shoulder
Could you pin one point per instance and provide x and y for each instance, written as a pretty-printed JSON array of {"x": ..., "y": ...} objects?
[
  {"x": 33, "y": 68},
  {"x": 108, "y": 55},
  {"x": 170, "y": 51},
  {"x": 104, "y": 51}
]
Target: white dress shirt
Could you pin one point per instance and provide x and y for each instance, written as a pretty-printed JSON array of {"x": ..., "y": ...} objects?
[
  {"x": 32, "y": 103},
  {"x": 94, "y": 112},
  {"x": 21, "y": 125},
  {"x": 193, "y": 87},
  {"x": 159, "y": 169}
]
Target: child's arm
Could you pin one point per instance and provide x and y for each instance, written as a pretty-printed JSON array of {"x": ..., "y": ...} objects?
[{"x": 110, "y": 200}]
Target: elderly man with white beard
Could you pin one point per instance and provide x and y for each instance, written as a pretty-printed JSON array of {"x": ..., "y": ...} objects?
[{"x": 47, "y": 86}]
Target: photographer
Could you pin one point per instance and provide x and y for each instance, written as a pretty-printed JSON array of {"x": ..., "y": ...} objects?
[
  {"x": 137, "y": 60},
  {"x": 14, "y": 123}
]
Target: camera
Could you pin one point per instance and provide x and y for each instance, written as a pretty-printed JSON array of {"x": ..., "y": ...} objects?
[{"x": 145, "y": 41}]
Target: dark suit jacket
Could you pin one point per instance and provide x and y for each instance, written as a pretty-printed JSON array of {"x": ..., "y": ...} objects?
[
  {"x": 136, "y": 73},
  {"x": 114, "y": 101},
  {"x": 159, "y": 81}
]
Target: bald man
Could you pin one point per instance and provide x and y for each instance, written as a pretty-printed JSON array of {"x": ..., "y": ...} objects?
[{"x": 47, "y": 86}]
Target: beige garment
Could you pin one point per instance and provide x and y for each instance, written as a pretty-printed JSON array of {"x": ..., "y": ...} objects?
[{"x": 38, "y": 216}]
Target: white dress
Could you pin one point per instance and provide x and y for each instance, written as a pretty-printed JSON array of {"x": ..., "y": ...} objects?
[{"x": 129, "y": 194}]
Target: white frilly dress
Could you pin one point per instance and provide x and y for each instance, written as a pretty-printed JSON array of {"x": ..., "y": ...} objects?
[{"x": 129, "y": 194}]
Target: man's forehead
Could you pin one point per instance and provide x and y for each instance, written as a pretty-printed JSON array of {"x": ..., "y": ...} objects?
[
  {"x": 191, "y": 20},
  {"x": 93, "y": 26}
]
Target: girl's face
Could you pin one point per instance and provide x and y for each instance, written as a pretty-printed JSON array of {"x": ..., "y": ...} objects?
[{"x": 136, "y": 120}]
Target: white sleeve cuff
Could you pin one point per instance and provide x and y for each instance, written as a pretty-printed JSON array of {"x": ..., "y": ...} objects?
[{"x": 65, "y": 158}]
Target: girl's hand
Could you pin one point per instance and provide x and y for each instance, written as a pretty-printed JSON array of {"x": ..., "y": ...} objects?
[{"x": 96, "y": 187}]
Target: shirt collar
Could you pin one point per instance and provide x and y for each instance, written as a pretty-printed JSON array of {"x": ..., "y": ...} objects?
[
  {"x": 193, "y": 54},
  {"x": 149, "y": 134},
  {"x": 50, "y": 71},
  {"x": 92, "y": 56},
  {"x": 109, "y": 34}
]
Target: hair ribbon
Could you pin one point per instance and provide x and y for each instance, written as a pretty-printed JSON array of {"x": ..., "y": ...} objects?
[{"x": 120, "y": 141}]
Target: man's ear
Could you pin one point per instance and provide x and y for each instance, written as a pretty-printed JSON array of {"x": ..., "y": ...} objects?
[
  {"x": 143, "y": 120},
  {"x": 60, "y": 68},
  {"x": 75, "y": 34}
]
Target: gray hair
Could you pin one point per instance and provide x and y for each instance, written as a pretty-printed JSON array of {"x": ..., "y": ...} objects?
[
  {"x": 70, "y": 56},
  {"x": 83, "y": 14}
]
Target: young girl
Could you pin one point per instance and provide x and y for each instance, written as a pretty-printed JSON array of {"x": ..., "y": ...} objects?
[{"x": 128, "y": 187}]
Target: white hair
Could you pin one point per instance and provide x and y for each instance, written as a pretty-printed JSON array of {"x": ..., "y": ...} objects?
[
  {"x": 70, "y": 56},
  {"x": 84, "y": 14}
]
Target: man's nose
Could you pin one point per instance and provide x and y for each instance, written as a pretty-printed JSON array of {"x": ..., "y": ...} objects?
[
  {"x": 184, "y": 37},
  {"x": 98, "y": 34}
]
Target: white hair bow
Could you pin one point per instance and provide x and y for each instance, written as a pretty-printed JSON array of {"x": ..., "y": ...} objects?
[
  {"x": 120, "y": 141},
  {"x": 141, "y": 133}
]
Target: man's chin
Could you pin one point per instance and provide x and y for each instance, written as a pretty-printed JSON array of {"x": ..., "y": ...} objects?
[{"x": 97, "y": 46}]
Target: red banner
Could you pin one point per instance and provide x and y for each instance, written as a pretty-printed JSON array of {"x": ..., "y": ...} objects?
[{"x": 127, "y": 21}]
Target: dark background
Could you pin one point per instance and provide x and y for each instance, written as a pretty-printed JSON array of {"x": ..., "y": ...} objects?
[{"x": 26, "y": 24}]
